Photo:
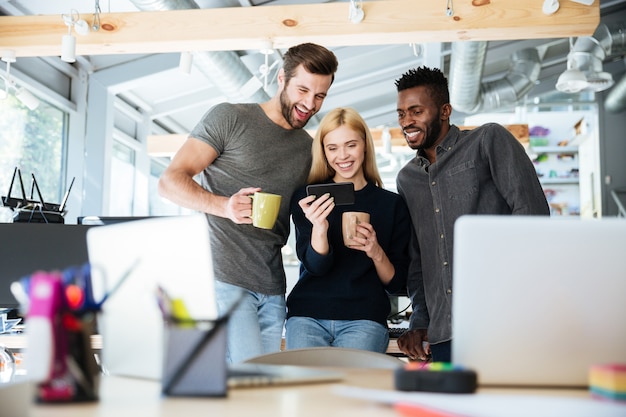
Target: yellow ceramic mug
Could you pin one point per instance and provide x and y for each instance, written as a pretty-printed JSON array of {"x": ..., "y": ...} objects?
[{"x": 265, "y": 208}]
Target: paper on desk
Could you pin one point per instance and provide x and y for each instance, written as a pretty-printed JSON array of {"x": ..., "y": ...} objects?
[{"x": 493, "y": 405}]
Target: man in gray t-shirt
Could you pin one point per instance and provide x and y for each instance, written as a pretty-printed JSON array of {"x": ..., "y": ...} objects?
[{"x": 239, "y": 149}]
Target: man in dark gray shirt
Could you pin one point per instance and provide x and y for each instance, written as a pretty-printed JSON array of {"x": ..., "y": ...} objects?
[{"x": 479, "y": 171}]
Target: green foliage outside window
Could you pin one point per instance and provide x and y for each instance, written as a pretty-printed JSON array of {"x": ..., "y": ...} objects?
[{"x": 32, "y": 140}]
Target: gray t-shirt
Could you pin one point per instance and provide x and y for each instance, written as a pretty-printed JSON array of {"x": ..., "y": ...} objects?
[{"x": 252, "y": 151}]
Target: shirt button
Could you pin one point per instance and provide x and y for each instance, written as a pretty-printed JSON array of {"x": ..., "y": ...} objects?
[
  {"x": 445, "y": 263},
  {"x": 449, "y": 291},
  {"x": 441, "y": 236},
  {"x": 436, "y": 210},
  {"x": 433, "y": 183}
]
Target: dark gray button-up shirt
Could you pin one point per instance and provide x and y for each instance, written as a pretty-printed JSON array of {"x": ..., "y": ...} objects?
[{"x": 480, "y": 171}]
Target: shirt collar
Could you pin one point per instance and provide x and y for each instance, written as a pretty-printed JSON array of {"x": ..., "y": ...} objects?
[{"x": 448, "y": 142}]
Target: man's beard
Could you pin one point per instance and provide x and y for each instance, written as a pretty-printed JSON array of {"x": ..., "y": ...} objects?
[
  {"x": 286, "y": 108},
  {"x": 434, "y": 130}
]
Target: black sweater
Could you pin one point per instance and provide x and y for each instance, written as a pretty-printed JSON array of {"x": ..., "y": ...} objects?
[{"x": 344, "y": 285}]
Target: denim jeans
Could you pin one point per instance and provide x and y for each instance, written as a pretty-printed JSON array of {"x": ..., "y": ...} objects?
[
  {"x": 442, "y": 352},
  {"x": 303, "y": 332},
  {"x": 255, "y": 326}
]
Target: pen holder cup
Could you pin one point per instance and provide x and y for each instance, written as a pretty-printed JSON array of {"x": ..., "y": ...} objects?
[
  {"x": 195, "y": 358},
  {"x": 75, "y": 375}
]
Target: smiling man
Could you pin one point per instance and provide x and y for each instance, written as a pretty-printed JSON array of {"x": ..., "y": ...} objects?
[
  {"x": 479, "y": 171},
  {"x": 239, "y": 149}
]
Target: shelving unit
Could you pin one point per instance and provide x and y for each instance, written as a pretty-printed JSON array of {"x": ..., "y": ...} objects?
[
  {"x": 568, "y": 174},
  {"x": 558, "y": 171}
]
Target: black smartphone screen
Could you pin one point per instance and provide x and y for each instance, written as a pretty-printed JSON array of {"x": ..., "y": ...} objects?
[{"x": 342, "y": 192}]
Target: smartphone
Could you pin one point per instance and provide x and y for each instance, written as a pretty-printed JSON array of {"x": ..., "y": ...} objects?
[{"x": 342, "y": 192}]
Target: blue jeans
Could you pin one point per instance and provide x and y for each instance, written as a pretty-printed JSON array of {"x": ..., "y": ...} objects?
[
  {"x": 441, "y": 352},
  {"x": 304, "y": 332},
  {"x": 255, "y": 326}
]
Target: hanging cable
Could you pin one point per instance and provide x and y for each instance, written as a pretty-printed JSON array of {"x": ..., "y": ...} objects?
[
  {"x": 449, "y": 10},
  {"x": 96, "y": 17}
]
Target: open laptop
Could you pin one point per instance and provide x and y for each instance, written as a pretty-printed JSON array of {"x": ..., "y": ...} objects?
[
  {"x": 171, "y": 252},
  {"x": 538, "y": 300},
  {"x": 174, "y": 253}
]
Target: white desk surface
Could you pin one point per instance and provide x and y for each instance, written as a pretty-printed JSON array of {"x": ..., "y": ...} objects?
[
  {"x": 124, "y": 397},
  {"x": 17, "y": 341}
]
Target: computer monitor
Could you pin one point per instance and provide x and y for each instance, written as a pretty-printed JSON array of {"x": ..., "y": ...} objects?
[
  {"x": 28, "y": 247},
  {"x": 108, "y": 220},
  {"x": 400, "y": 303}
]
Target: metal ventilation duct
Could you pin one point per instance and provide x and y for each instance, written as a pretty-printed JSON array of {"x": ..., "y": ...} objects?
[
  {"x": 589, "y": 52},
  {"x": 467, "y": 63},
  {"x": 615, "y": 102},
  {"x": 468, "y": 95},
  {"x": 610, "y": 41},
  {"x": 224, "y": 68}
]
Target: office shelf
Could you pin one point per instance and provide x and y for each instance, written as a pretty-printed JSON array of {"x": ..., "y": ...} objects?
[
  {"x": 550, "y": 181},
  {"x": 554, "y": 149}
]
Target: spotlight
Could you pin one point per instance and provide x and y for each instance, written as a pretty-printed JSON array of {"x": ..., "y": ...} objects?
[
  {"x": 27, "y": 98},
  {"x": 186, "y": 60},
  {"x": 23, "y": 95},
  {"x": 68, "y": 42},
  {"x": 68, "y": 48}
]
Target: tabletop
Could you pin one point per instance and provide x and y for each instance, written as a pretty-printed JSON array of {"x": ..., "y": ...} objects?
[{"x": 126, "y": 397}]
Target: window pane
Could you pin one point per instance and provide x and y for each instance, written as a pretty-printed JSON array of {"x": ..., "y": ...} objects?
[
  {"x": 122, "y": 180},
  {"x": 33, "y": 141},
  {"x": 160, "y": 206}
]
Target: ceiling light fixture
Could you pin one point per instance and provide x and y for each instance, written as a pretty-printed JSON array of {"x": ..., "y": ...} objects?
[
  {"x": 23, "y": 95},
  {"x": 572, "y": 80},
  {"x": 267, "y": 49},
  {"x": 356, "y": 13},
  {"x": 185, "y": 63},
  {"x": 68, "y": 43}
]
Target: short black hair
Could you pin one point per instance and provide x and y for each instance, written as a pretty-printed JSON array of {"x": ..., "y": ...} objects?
[{"x": 431, "y": 78}]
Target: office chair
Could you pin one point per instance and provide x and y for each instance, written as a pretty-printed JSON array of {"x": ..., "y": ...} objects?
[{"x": 331, "y": 357}]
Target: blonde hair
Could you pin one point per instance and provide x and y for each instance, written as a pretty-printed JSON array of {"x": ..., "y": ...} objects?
[{"x": 320, "y": 169}]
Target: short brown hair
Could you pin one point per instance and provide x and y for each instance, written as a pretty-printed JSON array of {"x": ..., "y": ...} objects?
[{"x": 316, "y": 59}]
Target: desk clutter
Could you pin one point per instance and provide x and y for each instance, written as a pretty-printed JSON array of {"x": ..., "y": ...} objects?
[
  {"x": 608, "y": 382},
  {"x": 61, "y": 309},
  {"x": 6, "y": 324},
  {"x": 60, "y": 312}
]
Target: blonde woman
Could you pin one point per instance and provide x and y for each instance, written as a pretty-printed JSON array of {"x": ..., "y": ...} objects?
[{"x": 341, "y": 297}]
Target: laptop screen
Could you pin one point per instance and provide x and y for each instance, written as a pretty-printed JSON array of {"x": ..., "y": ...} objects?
[
  {"x": 170, "y": 252},
  {"x": 538, "y": 300}
]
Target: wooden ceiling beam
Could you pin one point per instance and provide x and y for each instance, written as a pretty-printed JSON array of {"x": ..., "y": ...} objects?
[
  {"x": 245, "y": 28},
  {"x": 168, "y": 145}
]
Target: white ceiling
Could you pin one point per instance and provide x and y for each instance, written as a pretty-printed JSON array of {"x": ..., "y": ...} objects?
[{"x": 365, "y": 79}]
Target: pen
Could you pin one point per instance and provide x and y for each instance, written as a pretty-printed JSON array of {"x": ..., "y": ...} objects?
[{"x": 164, "y": 302}]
